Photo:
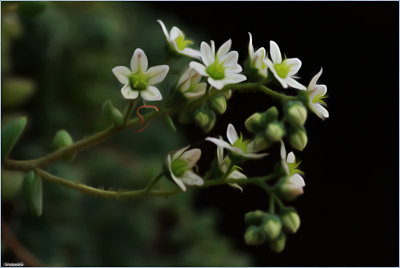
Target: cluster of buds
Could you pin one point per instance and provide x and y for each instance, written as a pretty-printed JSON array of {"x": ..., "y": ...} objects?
[{"x": 271, "y": 228}]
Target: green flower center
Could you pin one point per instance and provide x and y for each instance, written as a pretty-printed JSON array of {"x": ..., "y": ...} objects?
[
  {"x": 319, "y": 98},
  {"x": 216, "y": 70},
  {"x": 138, "y": 81},
  {"x": 282, "y": 69},
  {"x": 178, "y": 167},
  {"x": 181, "y": 43},
  {"x": 241, "y": 144}
]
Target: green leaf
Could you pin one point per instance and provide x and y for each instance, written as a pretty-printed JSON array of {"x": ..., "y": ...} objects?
[
  {"x": 33, "y": 191},
  {"x": 10, "y": 135}
]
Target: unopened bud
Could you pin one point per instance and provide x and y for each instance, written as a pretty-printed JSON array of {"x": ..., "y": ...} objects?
[
  {"x": 297, "y": 114},
  {"x": 272, "y": 227},
  {"x": 271, "y": 114},
  {"x": 278, "y": 245},
  {"x": 112, "y": 113},
  {"x": 298, "y": 139},
  {"x": 61, "y": 140},
  {"x": 259, "y": 143},
  {"x": 201, "y": 118},
  {"x": 290, "y": 220},
  {"x": 254, "y": 123},
  {"x": 218, "y": 103},
  {"x": 274, "y": 131},
  {"x": 254, "y": 217},
  {"x": 254, "y": 236}
]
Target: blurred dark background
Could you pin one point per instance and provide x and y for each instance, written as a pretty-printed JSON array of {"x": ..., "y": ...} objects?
[{"x": 63, "y": 55}]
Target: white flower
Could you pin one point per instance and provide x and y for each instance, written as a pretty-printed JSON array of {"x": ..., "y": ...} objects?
[
  {"x": 189, "y": 84},
  {"x": 138, "y": 80},
  {"x": 177, "y": 42},
  {"x": 284, "y": 70},
  {"x": 223, "y": 164},
  {"x": 221, "y": 68},
  {"x": 180, "y": 165},
  {"x": 316, "y": 94},
  {"x": 257, "y": 59},
  {"x": 236, "y": 144},
  {"x": 293, "y": 186}
]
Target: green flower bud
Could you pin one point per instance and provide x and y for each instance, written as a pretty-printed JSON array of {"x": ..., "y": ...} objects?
[
  {"x": 290, "y": 220},
  {"x": 201, "y": 118},
  {"x": 272, "y": 227},
  {"x": 271, "y": 114},
  {"x": 278, "y": 245},
  {"x": 297, "y": 114},
  {"x": 254, "y": 217},
  {"x": 254, "y": 123},
  {"x": 275, "y": 131},
  {"x": 61, "y": 140},
  {"x": 112, "y": 113},
  {"x": 33, "y": 192},
  {"x": 298, "y": 139},
  {"x": 254, "y": 236},
  {"x": 211, "y": 123},
  {"x": 259, "y": 143},
  {"x": 218, "y": 103}
]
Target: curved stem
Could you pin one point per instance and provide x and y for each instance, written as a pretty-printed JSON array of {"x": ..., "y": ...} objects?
[
  {"x": 129, "y": 110},
  {"x": 275, "y": 94}
]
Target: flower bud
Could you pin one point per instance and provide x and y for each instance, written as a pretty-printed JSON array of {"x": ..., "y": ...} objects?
[
  {"x": 290, "y": 220},
  {"x": 292, "y": 187},
  {"x": 275, "y": 131},
  {"x": 259, "y": 143},
  {"x": 272, "y": 227},
  {"x": 278, "y": 245},
  {"x": 61, "y": 140},
  {"x": 205, "y": 119},
  {"x": 271, "y": 114},
  {"x": 254, "y": 236},
  {"x": 112, "y": 113},
  {"x": 298, "y": 139},
  {"x": 254, "y": 123},
  {"x": 254, "y": 217},
  {"x": 297, "y": 114},
  {"x": 189, "y": 84},
  {"x": 218, "y": 103}
]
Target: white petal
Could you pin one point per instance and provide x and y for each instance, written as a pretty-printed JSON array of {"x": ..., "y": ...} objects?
[
  {"x": 139, "y": 61},
  {"x": 198, "y": 68},
  {"x": 276, "y": 56},
  {"x": 230, "y": 59},
  {"x": 151, "y": 94},
  {"x": 224, "y": 48},
  {"x": 164, "y": 29},
  {"x": 231, "y": 134},
  {"x": 218, "y": 84},
  {"x": 290, "y": 158},
  {"x": 191, "y": 178},
  {"x": 207, "y": 56},
  {"x": 234, "y": 79},
  {"x": 179, "y": 152},
  {"x": 179, "y": 182},
  {"x": 320, "y": 110},
  {"x": 122, "y": 73},
  {"x": 298, "y": 180},
  {"x": 156, "y": 74},
  {"x": 293, "y": 83},
  {"x": 128, "y": 93},
  {"x": 251, "y": 48},
  {"x": 237, "y": 175},
  {"x": 314, "y": 80},
  {"x": 283, "y": 151},
  {"x": 191, "y": 157},
  {"x": 221, "y": 143},
  {"x": 191, "y": 52},
  {"x": 295, "y": 65},
  {"x": 175, "y": 32},
  {"x": 197, "y": 92},
  {"x": 237, "y": 186},
  {"x": 235, "y": 68},
  {"x": 320, "y": 90},
  {"x": 255, "y": 156},
  {"x": 220, "y": 153}
]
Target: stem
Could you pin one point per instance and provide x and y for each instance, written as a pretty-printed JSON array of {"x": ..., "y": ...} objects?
[
  {"x": 281, "y": 205},
  {"x": 129, "y": 110},
  {"x": 275, "y": 94},
  {"x": 271, "y": 204},
  {"x": 153, "y": 182}
]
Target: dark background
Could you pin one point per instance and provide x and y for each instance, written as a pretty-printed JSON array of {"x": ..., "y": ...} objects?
[{"x": 350, "y": 208}]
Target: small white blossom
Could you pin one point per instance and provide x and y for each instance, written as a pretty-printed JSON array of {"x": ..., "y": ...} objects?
[
  {"x": 257, "y": 59},
  {"x": 180, "y": 164},
  {"x": 284, "y": 71},
  {"x": 236, "y": 144},
  {"x": 293, "y": 186},
  {"x": 220, "y": 67},
  {"x": 316, "y": 94},
  {"x": 177, "y": 42},
  {"x": 139, "y": 80},
  {"x": 223, "y": 164},
  {"x": 189, "y": 84}
]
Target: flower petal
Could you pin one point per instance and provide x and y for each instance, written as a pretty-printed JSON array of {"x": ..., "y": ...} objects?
[
  {"x": 151, "y": 94},
  {"x": 224, "y": 48},
  {"x": 231, "y": 134},
  {"x": 198, "y": 68},
  {"x": 220, "y": 153},
  {"x": 179, "y": 152},
  {"x": 175, "y": 32},
  {"x": 290, "y": 158},
  {"x": 218, "y": 84},
  {"x": 207, "y": 56},
  {"x": 164, "y": 29},
  {"x": 230, "y": 59},
  {"x": 235, "y": 79},
  {"x": 156, "y": 74},
  {"x": 255, "y": 156},
  {"x": 139, "y": 61},
  {"x": 191, "y": 157},
  {"x": 122, "y": 73},
  {"x": 276, "y": 56},
  {"x": 298, "y": 180},
  {"x": 191, "y": 178},
  {"x": 320, "y": 110},
  {"x": 221, "y": 143},
  {"x": 128, "y": 92},
  {"x": 237, "y": 175},
  {"x": 191, "y": 52},
  {"x": 295, "y": 65},
  {"x": 251, "y": 48},
  {"x": 197, "y": 92},
  {"x": 314, "y": 80},
  {"x": 293, "y": 83}
]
